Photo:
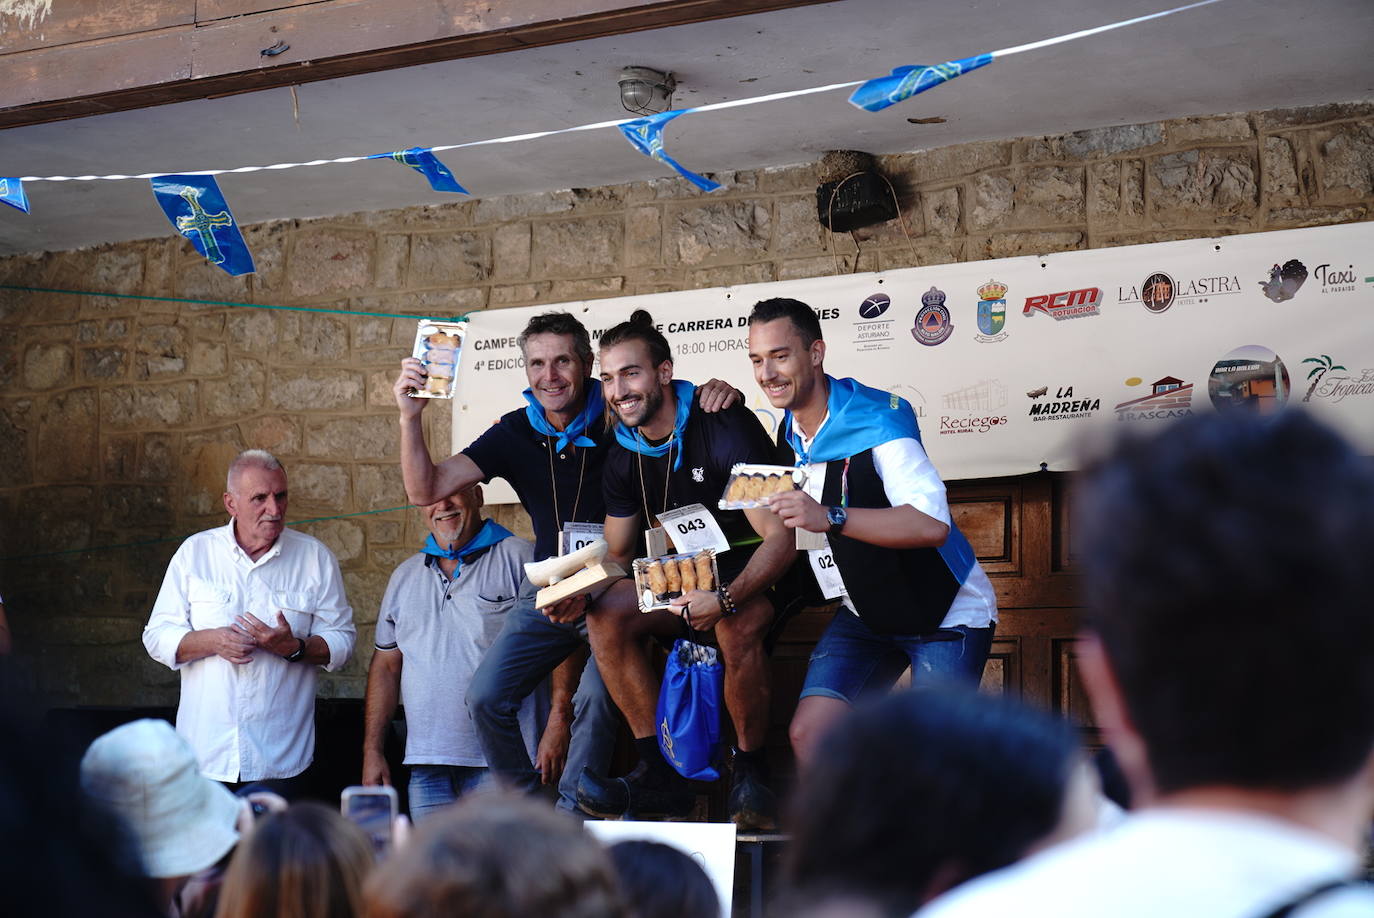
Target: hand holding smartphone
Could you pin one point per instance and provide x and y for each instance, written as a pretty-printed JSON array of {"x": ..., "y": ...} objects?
[{"x": 373, "y": 809}]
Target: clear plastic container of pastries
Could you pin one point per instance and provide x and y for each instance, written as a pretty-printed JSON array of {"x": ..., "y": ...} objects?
[
  {"x": 658, "y": 581},
  {"x": 439, "y": 346},
  {"x": 750, "y": 486}
]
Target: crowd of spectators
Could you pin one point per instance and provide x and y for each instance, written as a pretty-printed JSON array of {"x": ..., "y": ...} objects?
[{"x": 1250, "y": 780}]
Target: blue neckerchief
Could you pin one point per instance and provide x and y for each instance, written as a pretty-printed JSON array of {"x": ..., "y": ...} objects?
[
  {"x": 634, "y": 441},
  {"x": 490, "y": 533},
  {"x": 576, "y": 432},
  {"x": 861, "y": 418}
]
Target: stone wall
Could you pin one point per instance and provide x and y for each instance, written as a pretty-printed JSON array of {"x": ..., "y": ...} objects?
[{"x": 120, "y": 414}]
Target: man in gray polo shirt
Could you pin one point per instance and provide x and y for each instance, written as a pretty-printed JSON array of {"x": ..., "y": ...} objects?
[{"x": 441, "y": 611}]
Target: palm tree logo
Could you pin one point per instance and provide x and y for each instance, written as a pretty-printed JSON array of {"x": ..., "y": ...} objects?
[{"x": 1323, "y": 366}]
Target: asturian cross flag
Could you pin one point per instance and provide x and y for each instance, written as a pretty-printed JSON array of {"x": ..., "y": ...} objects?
[
  {"x": 197, "y": 210},
  {"x": 12, "y": 193},
  {"x": 905, "y": 82},
  {"x": 646, "y": 136},
  {"x": 427, "y": 164}
]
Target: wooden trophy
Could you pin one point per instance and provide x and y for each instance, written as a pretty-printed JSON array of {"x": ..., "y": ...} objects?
[{"x": 573, "y": 574}]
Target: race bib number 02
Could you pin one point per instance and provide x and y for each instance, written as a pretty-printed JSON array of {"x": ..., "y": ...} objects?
[
  {"x": 579, "y": 535},
  {"x": 827, "y": 572},
  {"x": 693, "y": 528}
]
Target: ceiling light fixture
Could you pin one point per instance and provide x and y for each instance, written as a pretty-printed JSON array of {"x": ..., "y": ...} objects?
[{"x": 644, "y": 91}]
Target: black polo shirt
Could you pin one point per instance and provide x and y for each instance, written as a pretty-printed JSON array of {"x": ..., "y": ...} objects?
[
  {"x": 712, "y": 444},
  {"x": 513, "y": 450}
]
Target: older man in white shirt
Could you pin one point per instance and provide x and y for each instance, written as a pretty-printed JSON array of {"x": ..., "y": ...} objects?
[{"x": 247, "y": 613}]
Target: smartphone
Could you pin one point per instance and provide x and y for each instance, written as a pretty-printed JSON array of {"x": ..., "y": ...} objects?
[{"x": 372, "y": 809}]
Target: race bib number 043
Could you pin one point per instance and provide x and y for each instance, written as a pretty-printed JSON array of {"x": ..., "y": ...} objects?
[{"x": 693, "y": 528}]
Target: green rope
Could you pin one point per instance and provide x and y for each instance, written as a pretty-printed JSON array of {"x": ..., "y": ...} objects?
[
  {"x": 180, "y": 299},
  {"x": 80, "y": 551}
]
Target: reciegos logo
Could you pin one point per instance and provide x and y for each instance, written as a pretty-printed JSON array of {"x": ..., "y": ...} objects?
[
  {"x": 975, "y": 409},
  {"x": 1071, "y": 304}
]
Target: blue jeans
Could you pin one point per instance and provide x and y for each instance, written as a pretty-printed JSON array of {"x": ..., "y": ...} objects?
[
  {"x": 528, "y": 648},
  {"x": 851, "y": 660},
  {"x": 433, "y": 787}
]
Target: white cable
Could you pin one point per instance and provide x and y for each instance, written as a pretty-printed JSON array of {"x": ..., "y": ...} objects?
[
  {"x": 517, "y": 138},
  {"x": 513, "y": 138},
  {"x": 1045, "y": 43}
]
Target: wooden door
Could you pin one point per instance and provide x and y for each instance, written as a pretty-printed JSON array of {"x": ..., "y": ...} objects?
[{"x": 1019, "y": 529}]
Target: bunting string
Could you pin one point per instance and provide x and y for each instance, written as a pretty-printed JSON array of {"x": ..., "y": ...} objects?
[
  {"x": 512, "y": 138},
  {"x": 617, "y": 123}
]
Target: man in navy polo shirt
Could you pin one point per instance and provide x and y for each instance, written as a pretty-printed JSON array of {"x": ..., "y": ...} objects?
[
  {"x": 876, "y": 525},
  {"x": 670, "y": 455},
  {"x": 551, "y": 452}
]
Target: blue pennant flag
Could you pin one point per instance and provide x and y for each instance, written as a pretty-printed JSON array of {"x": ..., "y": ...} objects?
[
  {"x": 905, "y": 82},
  {"x": 12, "y": 193},
  {"x": 197, "y": 210},
  {"x": 428, "y": 165},
  {"x": 646, "y": 136}
]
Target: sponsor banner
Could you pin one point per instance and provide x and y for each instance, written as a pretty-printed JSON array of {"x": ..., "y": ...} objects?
[{"x": 1011, "y": 364}]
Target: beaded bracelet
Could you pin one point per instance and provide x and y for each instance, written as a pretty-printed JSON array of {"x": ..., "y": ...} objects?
[{"x": 727, "y": 605}]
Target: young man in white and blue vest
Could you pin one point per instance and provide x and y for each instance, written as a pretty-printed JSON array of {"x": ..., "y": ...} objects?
[{"x": 875, "y": 526}]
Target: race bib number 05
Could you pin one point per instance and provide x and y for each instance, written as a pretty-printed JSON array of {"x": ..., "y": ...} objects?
[{"x": 579, "y": 535}]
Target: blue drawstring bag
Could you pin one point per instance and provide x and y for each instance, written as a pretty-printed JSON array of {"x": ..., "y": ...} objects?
[{"x": 689, "y": 710}]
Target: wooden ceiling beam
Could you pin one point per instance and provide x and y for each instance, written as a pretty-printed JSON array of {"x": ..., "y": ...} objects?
[{"x": 166, "y": 58}]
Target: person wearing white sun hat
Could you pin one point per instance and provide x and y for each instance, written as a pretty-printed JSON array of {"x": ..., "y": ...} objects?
[{"x": 183, "y": 821}]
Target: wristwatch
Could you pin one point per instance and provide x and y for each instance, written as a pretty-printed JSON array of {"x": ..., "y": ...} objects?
[
  {"x": 837, "y": 517},
  {"x": 300, "y": 652}
]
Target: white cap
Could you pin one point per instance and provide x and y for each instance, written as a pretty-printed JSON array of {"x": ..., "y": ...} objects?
[{"x": 183, "y": 821}]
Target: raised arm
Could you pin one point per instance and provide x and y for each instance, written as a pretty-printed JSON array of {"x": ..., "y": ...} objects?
[{"x": 425, "y": 481}]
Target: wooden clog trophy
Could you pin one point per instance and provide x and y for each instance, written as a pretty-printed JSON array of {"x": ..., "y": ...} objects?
[{"x": 573, "y": 574}]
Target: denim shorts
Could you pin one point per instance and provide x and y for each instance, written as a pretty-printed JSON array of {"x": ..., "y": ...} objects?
[{"x": 851, "y": 660}]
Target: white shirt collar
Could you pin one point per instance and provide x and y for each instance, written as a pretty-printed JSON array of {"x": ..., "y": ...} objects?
[
  {"x": 805, "y": 440},
  {"x": 237, "y": 550}
]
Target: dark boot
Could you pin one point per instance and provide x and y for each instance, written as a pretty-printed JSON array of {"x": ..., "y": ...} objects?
[
  {"x": 753, "y": 806},
  {"x": 645, "y": 793}
]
